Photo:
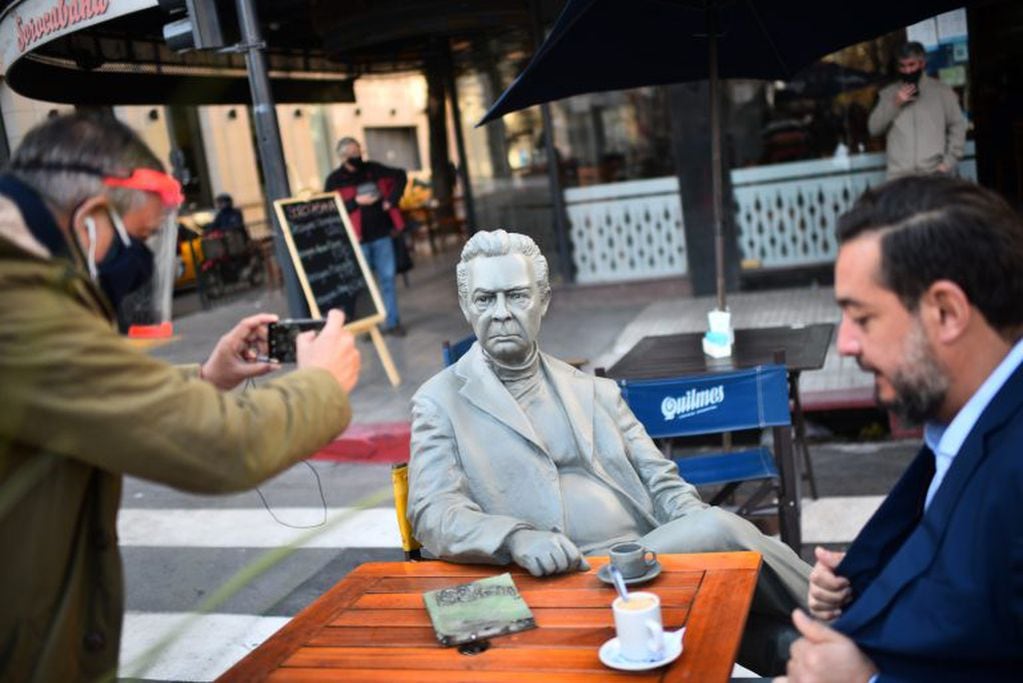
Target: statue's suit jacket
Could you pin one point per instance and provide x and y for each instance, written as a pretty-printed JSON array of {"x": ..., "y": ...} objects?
[
  {"x": 939, "y": 596},
  {"x": 478, "y": 471}
]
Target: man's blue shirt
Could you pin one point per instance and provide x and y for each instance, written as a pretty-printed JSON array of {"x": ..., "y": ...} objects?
[{"x": 946, "y": 440}]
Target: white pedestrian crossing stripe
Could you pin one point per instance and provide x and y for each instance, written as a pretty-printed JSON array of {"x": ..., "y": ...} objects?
[
  {"x": 208, "y": 646},
  {"x": 255, "y": 528},
  {"x": 837, "y": 519},
  {"x": 826, "y": 520}
]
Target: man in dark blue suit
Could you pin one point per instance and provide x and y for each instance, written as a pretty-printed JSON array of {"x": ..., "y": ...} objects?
[{"x": 929, "y": 277}]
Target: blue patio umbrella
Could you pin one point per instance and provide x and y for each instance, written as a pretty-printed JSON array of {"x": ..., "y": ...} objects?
[{"x": 598, "y": 45}]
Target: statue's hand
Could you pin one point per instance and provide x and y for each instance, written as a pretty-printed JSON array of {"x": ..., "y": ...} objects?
[{"x": 544, "y": 552}]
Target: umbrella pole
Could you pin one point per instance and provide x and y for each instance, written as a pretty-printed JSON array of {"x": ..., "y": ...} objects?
[
  {"x": 715, "y": 153},
  {"x": 553, "y": 167}
]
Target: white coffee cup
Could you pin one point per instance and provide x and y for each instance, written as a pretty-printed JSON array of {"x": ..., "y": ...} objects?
[{"x": 639, "y": 628}]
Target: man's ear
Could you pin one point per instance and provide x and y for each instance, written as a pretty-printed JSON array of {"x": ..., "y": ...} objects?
[
  {"x": 545, "y": 302},
  {"x": 946, "y": 311},
  {"x": 465, "y": 309},
  {"x": 96, "y": 204}
]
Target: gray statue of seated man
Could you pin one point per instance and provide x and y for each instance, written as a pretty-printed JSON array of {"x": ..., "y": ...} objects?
[{"x": 519, "y": 457}]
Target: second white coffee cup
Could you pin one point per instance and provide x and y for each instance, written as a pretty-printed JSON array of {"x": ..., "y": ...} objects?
[{"x": 639, "y": 628}]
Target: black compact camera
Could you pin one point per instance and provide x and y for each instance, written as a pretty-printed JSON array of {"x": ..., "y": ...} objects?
[{"x": 281, "y": 337}]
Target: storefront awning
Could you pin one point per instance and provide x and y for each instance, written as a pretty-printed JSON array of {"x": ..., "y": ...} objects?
[{"x": 109, "y": 52}]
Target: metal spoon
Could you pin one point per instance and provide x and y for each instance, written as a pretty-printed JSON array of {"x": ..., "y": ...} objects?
[{"x": 619, "y": 581}]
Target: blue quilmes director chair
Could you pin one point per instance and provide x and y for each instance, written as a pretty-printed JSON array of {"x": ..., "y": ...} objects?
[
  {"x": 721, "y": 403},
  {"x": 452, "y": 351}
]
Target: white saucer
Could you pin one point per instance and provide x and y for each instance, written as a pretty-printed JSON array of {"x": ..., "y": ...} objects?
[
  {"x": 610, "y": 656},
  {"x": 604, "y": 574}
]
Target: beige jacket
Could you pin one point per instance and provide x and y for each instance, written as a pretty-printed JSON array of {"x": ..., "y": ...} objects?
[
  {"x": 79, "y": 408},
  {"x": 921, "y": 135}
]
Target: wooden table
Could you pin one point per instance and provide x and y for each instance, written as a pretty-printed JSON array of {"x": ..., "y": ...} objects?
[
  {"x": 372, "y": 626},
  {"x": 672, "y": 355}
]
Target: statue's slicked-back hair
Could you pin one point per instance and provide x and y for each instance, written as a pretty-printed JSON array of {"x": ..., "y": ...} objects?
[
  {"x": 65, "y": 158},
  {"x": 499, "y": 243},
  {"x": 941, "y": 228}
]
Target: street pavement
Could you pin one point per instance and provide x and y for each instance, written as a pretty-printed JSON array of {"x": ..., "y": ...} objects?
[{"x": 181, "y": 549}]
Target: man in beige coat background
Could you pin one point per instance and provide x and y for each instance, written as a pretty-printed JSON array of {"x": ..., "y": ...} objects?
[
  {"x": 519, "y": 457},
  {"x": 79, "y": 407},
  {"x": 924, "y": 128}
]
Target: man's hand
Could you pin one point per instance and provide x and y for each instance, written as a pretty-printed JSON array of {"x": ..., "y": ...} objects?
[
  {"x": 905, "y": 94},
  {"x": 943, "y": 168},
  {"x": 829, "y": 592},
  {"x": 366, "y": 199},
  {"x": 333, "y": 349},
  {"x": 824, "y": 655},
  {"x": 234, "y": 358},
  {"x": 544, "y": 552}
]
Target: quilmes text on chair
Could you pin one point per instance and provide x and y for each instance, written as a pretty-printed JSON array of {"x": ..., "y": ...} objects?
[{"x": 704, "y": 404}]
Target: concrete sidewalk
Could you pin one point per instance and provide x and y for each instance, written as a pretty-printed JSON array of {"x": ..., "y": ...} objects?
[{"x": 598, "y": 323}]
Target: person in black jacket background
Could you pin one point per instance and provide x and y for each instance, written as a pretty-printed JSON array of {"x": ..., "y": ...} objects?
[{"x": 371, "y": 193}]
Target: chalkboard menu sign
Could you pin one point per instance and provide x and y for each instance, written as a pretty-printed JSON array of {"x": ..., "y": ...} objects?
[{"x": 328, "y": 260}]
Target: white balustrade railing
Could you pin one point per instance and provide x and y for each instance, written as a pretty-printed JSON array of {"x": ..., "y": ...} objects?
[
  {"x": 627, "y": 231},
  {"x": 786, "y": 213}
]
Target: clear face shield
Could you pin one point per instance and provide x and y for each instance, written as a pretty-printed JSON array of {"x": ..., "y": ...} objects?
[
  {"x": 146, "y": 279},
  {"x": 146, "y": 312}
]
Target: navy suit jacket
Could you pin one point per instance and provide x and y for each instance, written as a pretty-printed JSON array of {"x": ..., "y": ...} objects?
[{"x": 938, "y": 596}]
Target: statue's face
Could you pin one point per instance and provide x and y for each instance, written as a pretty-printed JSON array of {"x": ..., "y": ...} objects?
[{"x": 504, "y": 305}]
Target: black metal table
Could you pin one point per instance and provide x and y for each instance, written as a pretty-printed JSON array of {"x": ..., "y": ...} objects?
[{"x": 803, "y": 347}]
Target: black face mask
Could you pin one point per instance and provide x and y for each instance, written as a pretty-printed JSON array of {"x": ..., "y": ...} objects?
[
  {"x": 354, "y": 162},
  {"x": 125, "y": 269},
  {"x": 913, "y": 77}
]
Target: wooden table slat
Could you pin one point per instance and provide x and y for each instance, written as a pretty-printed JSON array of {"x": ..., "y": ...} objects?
[
  {"x": 524, "y": 582},
  {"x": 601, "y": 597},
  {"x": 494, "y": 659},
  {"x": 295, "y": 675},
  {"x": 422, "y": 636},
  {"x": 544, "y": 617}
]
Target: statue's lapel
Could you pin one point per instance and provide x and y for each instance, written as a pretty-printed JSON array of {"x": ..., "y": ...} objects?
[
  {"x": 484, "y": 390},
  {"x": 577, "y": 398}
]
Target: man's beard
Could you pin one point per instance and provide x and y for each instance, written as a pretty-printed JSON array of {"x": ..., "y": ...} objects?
[{"x": 920, "y": 384}]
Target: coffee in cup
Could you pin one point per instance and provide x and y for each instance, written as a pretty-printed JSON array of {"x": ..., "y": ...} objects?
[
  {"x": 637, "y": 602},
  {"x": 639, "y": 628},
  {"x": 632, "y": 559}
]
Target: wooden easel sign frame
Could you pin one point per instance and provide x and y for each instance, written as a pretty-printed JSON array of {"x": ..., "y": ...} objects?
[{"x": 329, "y": 264}]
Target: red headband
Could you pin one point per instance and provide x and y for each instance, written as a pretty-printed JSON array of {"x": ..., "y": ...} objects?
[{"x": 150, "y": 180}]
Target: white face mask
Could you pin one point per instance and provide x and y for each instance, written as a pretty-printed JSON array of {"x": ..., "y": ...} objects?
[{"x": 90, "y": 229}]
